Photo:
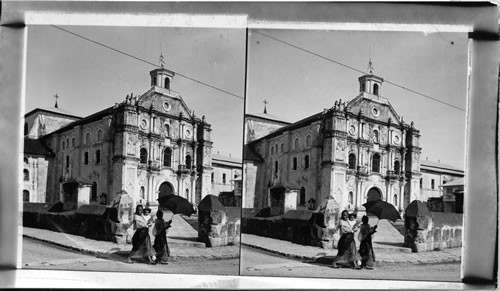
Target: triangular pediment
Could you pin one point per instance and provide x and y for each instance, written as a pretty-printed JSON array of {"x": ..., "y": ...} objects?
[
  {"x": 164, "y": 100},
  {"x": 380, "y": 110}
]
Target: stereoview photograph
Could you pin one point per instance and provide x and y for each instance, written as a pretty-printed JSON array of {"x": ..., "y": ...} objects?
[
  {"x": 132, "y": 149},
  {"x": 354, "y": 154}
]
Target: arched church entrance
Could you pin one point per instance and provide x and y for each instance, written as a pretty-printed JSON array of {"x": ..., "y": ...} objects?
[
  {"x": 165, "y": 189},
  {"x": 373, "y": 194}
]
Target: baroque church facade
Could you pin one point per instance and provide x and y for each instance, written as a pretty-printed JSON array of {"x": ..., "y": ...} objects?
[
  {"x": 355, "y": 151},
  {"x": 149, "y": 145}
]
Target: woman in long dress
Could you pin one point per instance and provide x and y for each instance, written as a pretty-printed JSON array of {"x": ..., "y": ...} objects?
[
  {"x": 141, "y": 242},
  {"x": 365, "y": 245},
  {"x": 160, "y": 233},
  {"x": 347, "y": 252}
]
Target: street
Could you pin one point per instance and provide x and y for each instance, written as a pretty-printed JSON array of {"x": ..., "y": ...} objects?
[
  {"x": 259, "y": 263},
  {"x": 40, "y": 255}
]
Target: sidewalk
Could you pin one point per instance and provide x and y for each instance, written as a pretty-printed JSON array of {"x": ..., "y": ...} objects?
[
  {"x": 382, "y": 255},
  {"x": 179, "y": 249}
]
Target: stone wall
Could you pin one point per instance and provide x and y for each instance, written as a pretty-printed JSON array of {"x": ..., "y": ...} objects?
[
  {"x": 441, "y": 231},
  {"x": 219, "y": 226}
]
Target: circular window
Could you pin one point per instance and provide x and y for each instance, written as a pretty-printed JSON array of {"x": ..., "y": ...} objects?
[
  {"x": 375, "y": 112},
  {"x": 397, "y": 139},
  {"x": 188, "y": 133},
  {"x": 167, "y": 106},
  {"x": 352, "y": 129},
  {"x": 144, "y": 124}
]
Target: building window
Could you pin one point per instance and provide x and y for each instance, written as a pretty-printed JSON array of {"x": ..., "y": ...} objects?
[
  {"x": 396, "y": 167},
  {"x": 223, "y": 178},
  {"x": 153, "y": 81},
  {"x": 26, "y": 128},
  {"x": 142, "y": 194},
  {"x": 167, "y": 157},
  {"x": 308, "y": 141},
  {"x": 167, "y": 83},
  {"x": 276, "y": 148},
  {"x": 306, "y": 162},
  {"x": 376, "y": 163},
  {"x": 87, "y": 138},
  {"x": 26, "y": 160},
  {"x": 99, "y": 135},
  {"x": 86, "y": 158},
  {"x": 375, "y": 89},
  {"x": 67, "y": 142},
  {"x": 352, "y": 161},
  {"x": 26, "y": 175},
  {"x": 432, "y": 184},
  {"x": 272, "y": 150},
  {"x": 421, "y": 183},
  {"x": 73, "y": 142},
  {"x": 395, "y": 200},
  {"x": 363, "y": 87},
  {"x": 93, "y": 196},
  {"x": 276, "y": 167},
  {"x": 294, "y": 162},
  {"x": 296, "y": 144},
  {"x": 350, "y": 198},
  {"x": 302, "y": 200},
  {"x": 187, "y": 193},
  {"x": 143, "y": 156},
  {"x": 26, "y": 196},
  {"x": 98, "y": 157},
  {"x": 375, "y": 136},
  {"x": 63, "y": 144},
  {"x": 188, "y": 161},
  {"x": 282, "y": 147},
  {"x": 167, "y": 129},
  {"x": 212, "y": 177},
  {"x": 67, "y": 162}
]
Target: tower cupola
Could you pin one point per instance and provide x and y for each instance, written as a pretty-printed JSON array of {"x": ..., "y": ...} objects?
[
  {"x": 162, "y": 77},
  {"x": 370, "y": 83}
]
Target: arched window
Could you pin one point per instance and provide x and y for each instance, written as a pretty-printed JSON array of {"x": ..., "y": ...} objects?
[
  {"x": 306, "y": 162},
  {"x": 26, "y": 196},
  {"x": 223, "y": 178},
  {"x": 87, "y": 138},
  {"x": 86, "y": 158},
  {"x": 99, "y": 135},
  {"x": 167, "y": 129},
  {"x": 376, "y": 163},
  {"x": 276, "y": 148},
  {"x": 302, "y": 200},
  {"x": 143, "y": 156},
  {"x": 188, "y": 161},
  {"x": 26, "y": 175},
  {"x": 396, "y": 167},
  {"x": 282, "y": 147},
  {"x": 98, "y": 156},
  {"x": 421, "y": 183},
  {"x": 276, "y": 167},
  {"x": 363, "y": 87},
  {"x": 308, "y": 141},
  {"x": 142, "y": 194},
  {"x": 352, "y": 161},
  {"x": 26, "y": 160},
  {"x": 167, "y": 157},
  {"x": 187, "y": 193},
  {"x": 296, "y": 144},
  {"x": 67, "y": 142},
  {"x": 63, "y": 144},
  {"x": 350, "y": 198},
  {"x": 272, "y": 150},
  {"x": 294, "y": 163},
  {"x": 67, "y": 162},
  {"x": 93, "y": 195},
  {"x": 375, "y": 89},
  {"x": 395, "y": 200},
  {"x": 26, "y": 128},
  {"x": 167, "y": 83},
  {"x": 73, "y": 142},
  {"x": 212, "y": 177}
]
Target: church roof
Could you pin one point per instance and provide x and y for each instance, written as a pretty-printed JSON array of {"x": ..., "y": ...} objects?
[
  {"x": 93, "y": 117},
  {"x": 457, "y": 182},
  {"x": 440, "y": 167},
  {"x": 35, "y": 147},
  {"x": 226, "y": 161},
  {"x": 267, "y": 116},
  {"x": 53, "y": 110}
]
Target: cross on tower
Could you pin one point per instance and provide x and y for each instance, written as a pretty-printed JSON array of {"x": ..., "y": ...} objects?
[
  {"x": 265, "y": 105},
  {"x": 162, "y": 60},
  {"x": 370, "y": 66},
  {"x": 57, "y": 97}
]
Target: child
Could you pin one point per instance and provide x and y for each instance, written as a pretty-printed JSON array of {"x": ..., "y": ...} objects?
[
  {"x": 365, "y": 246},
  {"x": 160, "y": 233}
]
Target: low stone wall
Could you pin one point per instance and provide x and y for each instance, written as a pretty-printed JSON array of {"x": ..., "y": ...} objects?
[
  {"x": 443, "y": 230},
  {"x": 91, "y": 221},
  {"x": 298, "y": 226}
]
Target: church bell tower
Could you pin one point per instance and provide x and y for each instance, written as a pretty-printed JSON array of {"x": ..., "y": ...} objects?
[
  {"x": 370, "y": 83},
  {"x": 162, "y": 77}
]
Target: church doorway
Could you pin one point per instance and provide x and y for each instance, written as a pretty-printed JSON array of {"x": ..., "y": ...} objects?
[
  {"x": 277, "y": 196},
  {"x": 165, "y": 189},
  {"x": 373, "y": 194}
]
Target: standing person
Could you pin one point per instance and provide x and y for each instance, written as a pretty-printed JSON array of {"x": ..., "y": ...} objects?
[
  {"x": 141, "y": 242},
  {"x": 160, "y": 233},
  {"x": 347, "y": 252},
  {"x": 365, "y": 246}
]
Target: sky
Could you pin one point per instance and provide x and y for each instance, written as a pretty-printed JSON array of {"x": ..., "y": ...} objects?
[
  {"x": 89, "y": 77},
  {"x": 297, "y": 84}
]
